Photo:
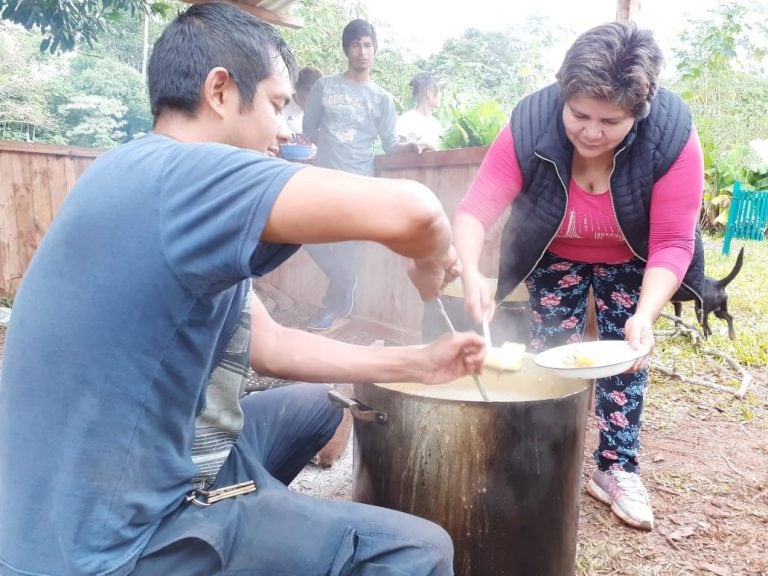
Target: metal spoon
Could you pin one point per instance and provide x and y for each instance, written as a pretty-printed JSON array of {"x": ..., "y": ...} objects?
[
  {"x": 475, "y": 377},
  {"x": 487, "y": 332}
]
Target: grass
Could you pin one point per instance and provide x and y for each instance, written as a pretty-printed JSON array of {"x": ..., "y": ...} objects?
[{"x": 748, "y": 304}]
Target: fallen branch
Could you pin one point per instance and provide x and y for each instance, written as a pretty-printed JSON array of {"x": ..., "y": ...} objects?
[
  {"x": 667, "y": 490},
  {"x": 671, "y": 542},
  {"x": 695, "y": 381},
  {"x": 683, "y": 327},
  {"x": 698, "y": 342}
]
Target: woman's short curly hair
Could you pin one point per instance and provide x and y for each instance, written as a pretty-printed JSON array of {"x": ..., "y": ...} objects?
[{"x": 615, "y": 62}]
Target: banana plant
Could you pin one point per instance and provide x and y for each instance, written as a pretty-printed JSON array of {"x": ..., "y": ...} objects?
[
  {"x": 747, "y": 164},
  {"x": 474, "y": 125}
]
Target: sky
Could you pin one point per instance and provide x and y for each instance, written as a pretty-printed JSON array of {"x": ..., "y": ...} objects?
[{"x": 423, "y": 25}]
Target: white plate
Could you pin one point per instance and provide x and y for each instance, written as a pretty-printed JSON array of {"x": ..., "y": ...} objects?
[{"x": 609, "y": 357}]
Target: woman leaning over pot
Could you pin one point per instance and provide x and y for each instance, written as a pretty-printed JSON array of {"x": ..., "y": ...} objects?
[{"x": 603, "y": 172}]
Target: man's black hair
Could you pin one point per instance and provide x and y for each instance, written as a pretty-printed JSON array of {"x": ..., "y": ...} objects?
[{"x": 206, "y": 36}]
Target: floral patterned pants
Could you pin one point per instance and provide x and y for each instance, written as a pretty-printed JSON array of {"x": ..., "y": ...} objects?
[{"x": 558, "y": 290}]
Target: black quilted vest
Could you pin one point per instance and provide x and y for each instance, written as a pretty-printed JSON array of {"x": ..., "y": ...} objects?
[{"x": 545, "y": 154}]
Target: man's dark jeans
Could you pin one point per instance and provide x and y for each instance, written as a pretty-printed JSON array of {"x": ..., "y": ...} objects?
[{"x": 277, "y": 532}]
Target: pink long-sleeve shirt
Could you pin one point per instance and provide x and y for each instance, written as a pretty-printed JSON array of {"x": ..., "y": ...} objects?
[{"x": 590, "y": 231}]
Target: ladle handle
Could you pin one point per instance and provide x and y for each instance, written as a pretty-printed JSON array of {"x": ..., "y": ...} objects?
[
  {"x": 475, "y": 377},
  {"x": 357, "y": 409},
  {"x": 487, "y": 331}
]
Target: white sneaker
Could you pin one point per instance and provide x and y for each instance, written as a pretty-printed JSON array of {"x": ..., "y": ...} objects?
[{"x": 625, "y": 494}]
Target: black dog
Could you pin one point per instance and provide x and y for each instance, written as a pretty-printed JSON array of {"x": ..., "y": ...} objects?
[{"x": 715, "y": 299}]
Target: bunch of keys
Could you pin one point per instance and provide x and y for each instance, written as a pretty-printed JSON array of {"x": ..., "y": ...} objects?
[{"x": 208, "y": 497}]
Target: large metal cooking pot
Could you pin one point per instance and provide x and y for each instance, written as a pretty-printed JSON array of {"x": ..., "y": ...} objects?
[{"x": 502, "y": 477}]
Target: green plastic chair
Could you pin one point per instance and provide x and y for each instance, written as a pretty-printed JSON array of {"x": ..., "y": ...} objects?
[{"x": 747, "y": 216}]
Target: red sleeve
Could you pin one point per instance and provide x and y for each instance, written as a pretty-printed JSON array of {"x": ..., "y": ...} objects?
[
  {"x": 675, "y": 207},
  {"x": 496, "y": 183}
]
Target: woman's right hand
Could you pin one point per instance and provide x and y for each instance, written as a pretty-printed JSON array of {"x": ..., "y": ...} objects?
[{"x": 478, "y": 300}]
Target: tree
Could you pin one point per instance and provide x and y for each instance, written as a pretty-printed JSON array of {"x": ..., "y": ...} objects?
[
  {"x": 503, "y": 66},
  {"x": 64, "y": 24},
  {"x": 94, "y": 121},
  {"x": 126, "y": 42},
  {"x": 114, "y": 68},
  {"x": 721, "y": 65},
  {"x": 110, "y": 79},
  {"x": 24, "y": 76},
  {"x": 37, "y": 88}
]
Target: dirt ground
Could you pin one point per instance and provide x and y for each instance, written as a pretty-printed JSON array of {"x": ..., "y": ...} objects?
[{"x": 704, "y": 462}]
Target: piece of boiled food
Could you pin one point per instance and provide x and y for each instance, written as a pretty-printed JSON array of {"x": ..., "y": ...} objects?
[
  {"x": 509, "y": 357},
  {"x": 579, "y": 360}
]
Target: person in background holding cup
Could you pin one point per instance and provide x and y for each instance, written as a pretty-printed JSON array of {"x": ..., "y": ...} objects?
[
  {"x": 300, "y": 147},
  {"x": 603, "y": 172},
  {"x": 294, "y": 111}
]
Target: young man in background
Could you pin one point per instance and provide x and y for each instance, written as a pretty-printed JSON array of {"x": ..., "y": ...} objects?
[{"x": 344, "y": 115}]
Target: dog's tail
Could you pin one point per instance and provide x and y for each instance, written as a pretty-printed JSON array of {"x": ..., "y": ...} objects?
[{"x": 733, "y": 273}]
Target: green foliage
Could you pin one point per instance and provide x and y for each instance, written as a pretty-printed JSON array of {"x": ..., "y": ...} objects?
[
  {"x": 126, "y": 42},
  {"x": 24, "y": 75},
  {"x": 476, "y": 125},
  {"x": 745, "y": 163},
  {"x": 733, "y": 33},
  {"x": 37, "y": 86},
  {"x": 393, "y": 74},
  {"x": 502, "y": 66},
  {"x": 113, "y": 80},
  {"x": 720, "y": 67},
  {"x": 64, "y": 24},
  {"x": 94, "y": 121}
]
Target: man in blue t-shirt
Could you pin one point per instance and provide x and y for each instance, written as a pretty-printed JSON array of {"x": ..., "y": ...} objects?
[{"x": 131, "y": 333}]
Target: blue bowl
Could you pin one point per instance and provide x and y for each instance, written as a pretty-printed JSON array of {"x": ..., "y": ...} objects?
[{"x": 296, "y": 152}]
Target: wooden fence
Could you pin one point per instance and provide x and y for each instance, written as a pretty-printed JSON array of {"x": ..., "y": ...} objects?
[{"x": 34, "y": 179}]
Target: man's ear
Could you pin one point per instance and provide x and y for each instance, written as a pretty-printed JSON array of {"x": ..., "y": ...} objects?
[{"x": 216, "y": 89}]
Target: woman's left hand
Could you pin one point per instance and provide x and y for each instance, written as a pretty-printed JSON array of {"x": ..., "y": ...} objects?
[{"x": 638, "y": 331}]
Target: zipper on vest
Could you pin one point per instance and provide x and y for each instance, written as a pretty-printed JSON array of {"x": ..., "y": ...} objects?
[
  {"x": 613, "y": 207},
  {"x": 565, "y": 212}
]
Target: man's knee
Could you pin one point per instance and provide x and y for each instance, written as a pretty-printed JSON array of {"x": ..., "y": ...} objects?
[
  {"x": 439, "y": 549},
  {"x": 316, "y": 405},
  {"x": 427, "y": 549},
  {"x": 190, "y": 556}
]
